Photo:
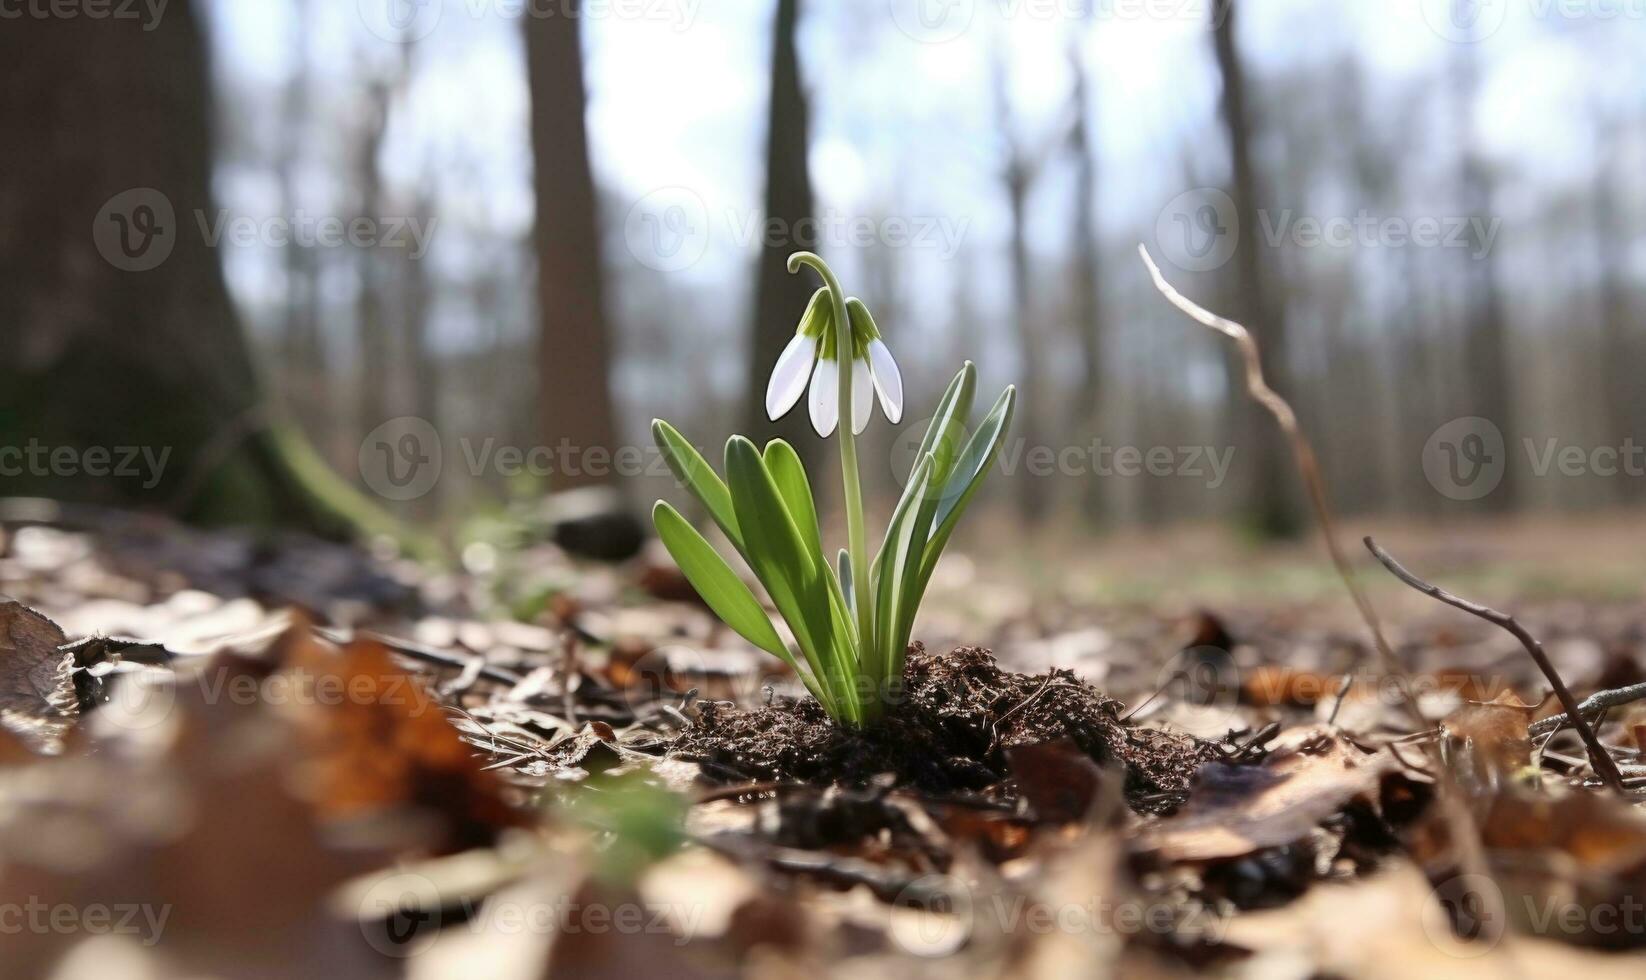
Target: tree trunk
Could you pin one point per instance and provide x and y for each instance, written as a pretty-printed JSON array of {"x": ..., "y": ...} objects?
[
  {"x": 780, "y": 297},
  {"x": 1275, "y": 507},
  {"x": 1018, "y": 176},
  {"x": 116, "y": 328},
  {"x": 1088, "y": 302},
  {"x": 1485, "y": 334},
  {"x": 574, "y": 364}
]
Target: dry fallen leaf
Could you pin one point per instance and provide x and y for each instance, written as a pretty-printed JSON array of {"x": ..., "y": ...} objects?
[
  {"x": 1235, "y": 810},
  {"x": 37, "y": 700},
  {"x": 1487, "y": 742},
  {"x": 380, "y": 742}
]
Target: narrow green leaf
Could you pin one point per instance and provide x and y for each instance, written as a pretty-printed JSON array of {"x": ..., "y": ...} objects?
[
  {"x": 948, "y": 425},
  {"x": 897, "y": 567},
  {"x": 967, "y": 476},
  {"x": 720, "y": 587},
  {"x": 794, "y": 576},
  {"x": 845, "y": 566},
  {"x": 692, "y": 470},
  {"x": 790, "y": 476}
]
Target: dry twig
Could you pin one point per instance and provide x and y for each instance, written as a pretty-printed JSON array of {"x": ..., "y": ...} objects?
[
  {"x": 1598, "y": 756},
  {"x": 1307, "y": 465}
]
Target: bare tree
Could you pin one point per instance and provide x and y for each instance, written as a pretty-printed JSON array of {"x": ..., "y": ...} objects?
[
  {"x": 1485, "y": 330},
  {"x": 116, "y": 328},
  {"x": 574, "y": 360},
  {"x": 1088, "y": 302},
  {"x": 779, "y": 297},
  {"x": 1275, "y": 508},
  {"x": 1017, "y": 175}
]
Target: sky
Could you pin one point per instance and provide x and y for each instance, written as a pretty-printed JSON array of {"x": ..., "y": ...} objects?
[{"x": 903, "y": 113}]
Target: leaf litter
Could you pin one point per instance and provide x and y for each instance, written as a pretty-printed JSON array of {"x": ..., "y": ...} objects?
[{"x": 406, "y": 786}]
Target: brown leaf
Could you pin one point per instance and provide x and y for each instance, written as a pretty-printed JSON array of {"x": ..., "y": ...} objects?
[
  {"x": 1487, "y": 742},
  {"x": 1235, "y": 810},
  {"x": 37, "y": 700},
  {"x": 381, "y": 742},
  {"x": 1060, "y": 781}
]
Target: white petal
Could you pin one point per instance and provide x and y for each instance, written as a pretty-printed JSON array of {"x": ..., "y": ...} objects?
[
  {"x": 862, "y": 395},
  {"x": 789, "y": 376},
  {"x": 824, "y": 399},
  {"x": 888, "y": 380}
]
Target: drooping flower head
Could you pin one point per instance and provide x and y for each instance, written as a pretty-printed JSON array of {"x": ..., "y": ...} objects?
[{"x": 813, "y": 354}]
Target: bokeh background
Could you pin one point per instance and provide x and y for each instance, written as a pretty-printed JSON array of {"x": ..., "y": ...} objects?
[{"x": 433, "y": 258}]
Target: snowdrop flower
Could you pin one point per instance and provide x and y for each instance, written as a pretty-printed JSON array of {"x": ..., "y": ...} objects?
[{"x": 812, "y": 355}]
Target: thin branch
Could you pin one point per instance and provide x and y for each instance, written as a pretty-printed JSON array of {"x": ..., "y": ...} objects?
[
  {"x": 1307, "y": 466},
  {"x": 1598, "y": 756},
  {"x": 1592, "y": 705}
]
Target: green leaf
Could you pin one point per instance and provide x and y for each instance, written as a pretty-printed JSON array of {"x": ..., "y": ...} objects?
[
  {"x": 948, "y": 425},
  {"x": 897, "y": 571},
  {"x": 790, "y": 476},
  {"x": 692, "y": 470},
  {"x": 794, "y": 575},
  {"x": 845, "y": 566},
  {"x": 719, "y": 586},
  {"x": 967, "y": 476}
]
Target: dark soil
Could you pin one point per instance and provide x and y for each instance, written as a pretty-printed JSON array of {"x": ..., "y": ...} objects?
[{"x": 959, "y": 716}]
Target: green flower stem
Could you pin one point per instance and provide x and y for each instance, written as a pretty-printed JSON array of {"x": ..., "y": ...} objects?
[{"x": 857, "y": 542}]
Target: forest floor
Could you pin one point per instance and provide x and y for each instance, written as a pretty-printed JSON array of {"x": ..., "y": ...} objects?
[{"x": 1165, "y": 754}]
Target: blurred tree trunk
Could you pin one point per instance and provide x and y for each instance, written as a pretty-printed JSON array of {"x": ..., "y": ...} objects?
[
  {"x": 780, "y": 297},
  {"x": 1485, "y": 334},
  {"x": 1619, "y": 350},
  {"x": 304, "y": 375},
  {"x": 116, "y": 328},
  {"x": 1088, "y": 302},
  {"x": 574, "y": 362},
  {"x": 372, "y": 330},
  {"x": 1018, "y": 176},
  {"x": 1275, "y": 509}
]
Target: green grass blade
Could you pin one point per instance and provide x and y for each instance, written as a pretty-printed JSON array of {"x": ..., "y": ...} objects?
[
  {"x": 692, "y": 470},
  {"x": 795, "y": 577},
  {"x": 720, "y": 587}
]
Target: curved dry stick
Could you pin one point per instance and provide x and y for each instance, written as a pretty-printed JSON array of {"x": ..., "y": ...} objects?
[
  {"x": 1464, "y": 832},
  {"x": 1598, "y": 756},
  {"x": 1307, "y": 465}
]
